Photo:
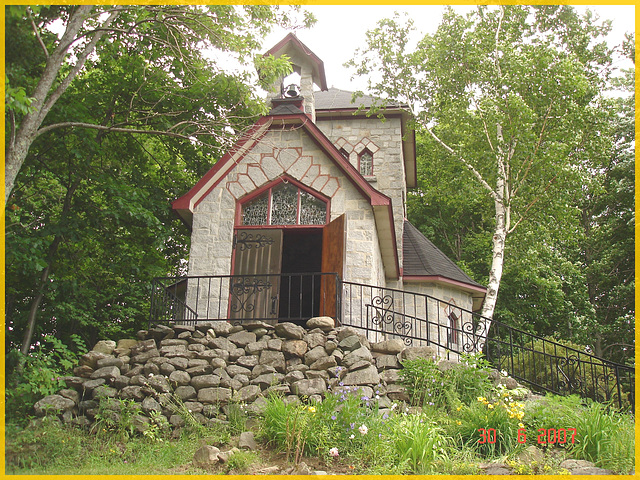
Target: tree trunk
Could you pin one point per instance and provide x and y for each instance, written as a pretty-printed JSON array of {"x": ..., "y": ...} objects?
[
  {"x": 43, "y": 97},
  {"x": 53, "y": 250}
]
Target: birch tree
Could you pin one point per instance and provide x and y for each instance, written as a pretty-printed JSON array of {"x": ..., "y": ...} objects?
[
  {"x": 171, "y": 37},
  {"x": 510, "y": 92}
]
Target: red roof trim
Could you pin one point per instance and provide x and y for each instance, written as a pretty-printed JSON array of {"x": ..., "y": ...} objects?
[
  {"x": 184, "y": 202},
  {"x": 441, "y": 279},
  {"x": 376, "y": 197}
]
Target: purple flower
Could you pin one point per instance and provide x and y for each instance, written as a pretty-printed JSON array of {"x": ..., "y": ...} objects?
[{"x": 333, "y": 417}]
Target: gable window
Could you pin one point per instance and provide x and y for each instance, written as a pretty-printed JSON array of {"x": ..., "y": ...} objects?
[
  {"x": 284, "y": 203},
  {"x": 365, "y": 163}
]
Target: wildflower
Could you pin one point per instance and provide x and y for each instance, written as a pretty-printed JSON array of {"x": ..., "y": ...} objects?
[
  {"x": 352, "y": 426},
  {"x": 481, "y": 399},
  {"x": 459, "y": 408},
  {"x": 521, "y": 425},
  {"x": 312, "y": 409},
  {"x": 351, "y": 467},
  {"x": 377, "y": 397},
  {"x": 333, "y": 417},
  {"x": 393, "y": 407},
  {"x": 458, "y": 422},
  {"x": 490, "y": 406},
  {"x": 352, "y": 436},
  {"x": 363, "y": 429},
  {"x": 333, "y": 452},
  {"x": 385, "y": 416},
  {"x": 341, "y": 384}
]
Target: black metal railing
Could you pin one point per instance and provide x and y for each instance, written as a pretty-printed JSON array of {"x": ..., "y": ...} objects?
[
  {"x": 193, "y": 299},
  {"x": 541, "y": 363},
  {"x": 383, "y": 313}
]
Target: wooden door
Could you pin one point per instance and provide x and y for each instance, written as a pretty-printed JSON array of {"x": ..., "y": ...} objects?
[
  {"x": 333, "y": 251},
  {"x": 257, "y": 254}
]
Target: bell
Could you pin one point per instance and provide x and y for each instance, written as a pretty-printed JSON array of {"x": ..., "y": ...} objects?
[{"x": 292, "y": 91}]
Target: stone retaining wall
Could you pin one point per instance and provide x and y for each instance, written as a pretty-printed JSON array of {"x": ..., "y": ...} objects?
[{"x": 214, "y": 364}]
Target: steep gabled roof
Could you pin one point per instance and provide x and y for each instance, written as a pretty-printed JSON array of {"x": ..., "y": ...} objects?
[
  {"x": 423, "y": 261},
  {"x": 337, "y": 99},
  {"x": 380, "y": 203},
  {"x": 292, "y": 46}
]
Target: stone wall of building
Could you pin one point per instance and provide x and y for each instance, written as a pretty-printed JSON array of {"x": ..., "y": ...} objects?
[
  {"x": 214, "y": 364},
  {"x": 384, "y": 141},
  {"x": 291, "y": 153}
]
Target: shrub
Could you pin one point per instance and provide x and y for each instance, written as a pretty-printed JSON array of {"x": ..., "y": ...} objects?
[
  {"x": 489, "y": 427},
  {"x": 464, "y": 382},
  {"x": 37, "y": 375},
  {"x": 604, "y": 437},
  {"x": 418, "y": 441}
]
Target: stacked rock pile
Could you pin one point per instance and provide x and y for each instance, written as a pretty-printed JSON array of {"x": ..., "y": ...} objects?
[{"x": 209, "y": 365}]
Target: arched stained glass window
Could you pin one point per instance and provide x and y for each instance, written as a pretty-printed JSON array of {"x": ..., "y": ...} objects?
[
  {"x": 284, "y": 204},
  {"x": 365, "y": 163}
]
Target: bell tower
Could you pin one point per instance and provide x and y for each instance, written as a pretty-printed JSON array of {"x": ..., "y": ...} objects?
[{"x": 308, "y": 70}]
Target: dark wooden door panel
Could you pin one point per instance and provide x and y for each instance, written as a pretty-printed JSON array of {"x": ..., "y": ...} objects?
[
  {"x": 257, "y": 253},
  {"x": 333, "y": 251}
]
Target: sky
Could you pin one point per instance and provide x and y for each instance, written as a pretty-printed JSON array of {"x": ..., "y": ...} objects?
[{"x": 340, "y": 30}]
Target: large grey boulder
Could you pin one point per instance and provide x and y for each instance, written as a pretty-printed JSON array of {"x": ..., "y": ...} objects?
[
  {"x": 243, "y": 338},
  {"x": 105, "y": 346},
  {"x": 214, "y": 395},
  {"x": 206, "y": 456},
  {"x": 325, "y": 324},
  {"x": 308, "y": 387},
  {"x": 274, "y": 359},
  {"x": 364, "y": 376},
  {"x": 108, "y": 373},
  {"x": 359, "y": 355},
  {"x": 290, "y": 331},
  {"x": 388, "y": 347},
  {"x": 294, "y": 348},
  {"x": 205, "y": 381},
  {"x": 246, "y": 394},
  {"x": 53, "y": 404}
]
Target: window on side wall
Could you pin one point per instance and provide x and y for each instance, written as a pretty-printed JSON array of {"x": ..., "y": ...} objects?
[{"x": 365, "y": 163}]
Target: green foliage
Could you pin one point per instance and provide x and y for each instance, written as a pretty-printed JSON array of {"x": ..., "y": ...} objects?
[
  {"x": 428, "y": 386},
  {"x": 489, "y": 428},
  {"x": 38, "y": 374},
  {"x": 419, "y": 441},
  {"x": 240, "y": 461},
  {"x": 116, "y": 418},
  {"x": 540, "y": 360}
]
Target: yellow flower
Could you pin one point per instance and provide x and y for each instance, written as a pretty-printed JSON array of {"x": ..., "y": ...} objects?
[
  {"x": 481, "y": 399},
  {"x": 489, "y": 406},
  {"x": 312, "y": 409},
  {"x": 458, "y": 422},
  {"x": 521, "y": 425},
  {"x": 458, "y": 409}
]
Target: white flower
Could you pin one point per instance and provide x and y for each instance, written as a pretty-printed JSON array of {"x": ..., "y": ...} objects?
[
  {"x": 333, "y": 452},
  {"x": 504, "y": 373},
  {"x": 377, "y": 397},
  {"x": 393, "y": 407},
  {"x": 363, "y": 429},
  {"x": 352, "y": 436}
]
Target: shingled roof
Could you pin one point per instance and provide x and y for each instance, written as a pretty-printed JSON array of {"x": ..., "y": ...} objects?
[
  {"x": 336, "y": 99},
  {"x": 421, "y": 258}
]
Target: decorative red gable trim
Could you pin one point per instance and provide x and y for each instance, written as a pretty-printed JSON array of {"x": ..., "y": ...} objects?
[{"x": 312, "y": 56}]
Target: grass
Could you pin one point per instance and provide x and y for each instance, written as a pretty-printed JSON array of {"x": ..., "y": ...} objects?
[{"x": 347, "y": 433}]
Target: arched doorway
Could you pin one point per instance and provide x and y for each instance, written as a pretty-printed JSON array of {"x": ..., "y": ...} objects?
[{"x": 281, "y": 248}]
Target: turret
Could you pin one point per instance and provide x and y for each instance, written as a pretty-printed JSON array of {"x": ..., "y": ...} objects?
[{"x": 308, "y": 70}]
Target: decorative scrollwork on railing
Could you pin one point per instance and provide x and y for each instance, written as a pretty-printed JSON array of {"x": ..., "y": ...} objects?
[
  {"x": 382, "y": 308},
  {"x": 384, "y": 315},
  {"x": 570, "y": 381},
  {"x": 474, "y": 335},
  {"x": 246, "y": 241},
  {"x": 605, "y": 386},
  {"x": 243, "y": 290}
]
